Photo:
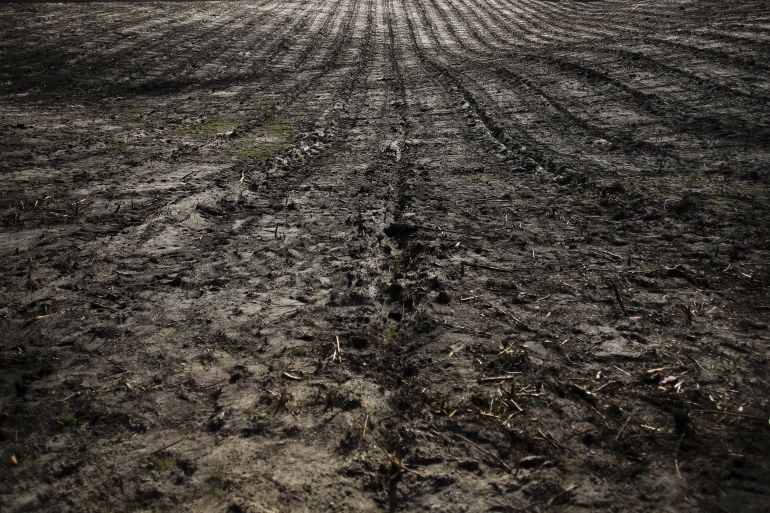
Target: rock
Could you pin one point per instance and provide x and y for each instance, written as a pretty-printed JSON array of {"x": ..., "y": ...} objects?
[
  {"x": 393, "y": 150},
  {"x": 602, "y": 144}
]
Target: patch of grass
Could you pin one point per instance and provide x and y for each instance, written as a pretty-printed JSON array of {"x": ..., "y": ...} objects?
[
  {"x": 395, "y": 265},
  {"x": 143, "y": 140},
  {"x": 392, "y": 334},
  {"x": 723, "y": 201},
  {"x": 129, "y": 116},
  {"x": 208, "y": 128},
  {"x": 55, "y": 136},
  {"x": 278, "y": 131},
  {"x": 482, "y": 179},
  {"x": 163, "y": 462},
  {"x": 216, "y": 482},
  {"x": 67, "y": 418},
  {"x": 121, "y": 147},
  {"x": 216, "y": 126},
  {"x": 85, "y": 140},
  {"x": 256, "y": 149}
]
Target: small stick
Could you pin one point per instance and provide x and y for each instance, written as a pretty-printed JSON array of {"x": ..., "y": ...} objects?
[
  {"x": 560, "y": 495},
  {"x": 620, "y": 431},
  {"x": 744, "y": 415},
  {"x": 604, "y": 385},
  {"x": 392, "y": 458},
  {"x": 211, "y": 385},
  {"x": 489, "y": 267},
  {"x": 172, "y": 444},
  {"x": 620, "y": 301},
  {"x": 38, "y": 317},
  {"x": 292, "y": 376},
  {"x": 492, "y": 379},
  {"x": 549, "y": 439},
  {"x": 497, "y": 458},
  {"x": 607, "y": 253},
  {"x": 69, "y": 396},
  {"x": 104, "y": 307},
  {"x": 337, "y": 355},
  {"x": 694, "y": 360},
  {"x": 621, "y": 370},
  {"x": 504, "y": 312},
  {"x": 506, "y": 421}
]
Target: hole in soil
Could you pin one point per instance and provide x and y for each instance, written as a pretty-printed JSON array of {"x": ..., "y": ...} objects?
[
  {"x": 395, "y": 315},
  {"x": 469, "y": 465},
  {"x": 359, "y": 343},
  {"x": 400, "y": 231},
  {"x": 395, "y": 292}
]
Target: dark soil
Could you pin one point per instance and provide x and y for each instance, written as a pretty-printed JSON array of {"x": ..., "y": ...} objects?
[{"x": 399, "y": 255}]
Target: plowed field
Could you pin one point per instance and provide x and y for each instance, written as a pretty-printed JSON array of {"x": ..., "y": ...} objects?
[{"x": 385, "y": 255}]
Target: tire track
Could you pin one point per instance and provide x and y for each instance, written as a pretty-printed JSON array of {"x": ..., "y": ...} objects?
[
  {"x": 325, "y": 126},
  {"x": 79, "y": 26},
  {"x": 299, "y": 13},
  {"x": 686, "y": 116}
]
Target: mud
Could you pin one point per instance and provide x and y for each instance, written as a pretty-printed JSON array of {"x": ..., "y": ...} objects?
[{"x": 384, "y": 255}]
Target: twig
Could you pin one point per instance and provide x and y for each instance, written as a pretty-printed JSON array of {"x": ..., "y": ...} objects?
[
  {"x": 337, "y": 355},
  {"x": 604, "y": 385},
  {"x": 617, "y": 296},
  {"x": 103, "y": 306},
  {"x": 550, "y": 439},
  {"x": 509, "y": 314},
  {"x": 477, "y": 447},
  {"x": 172, "y": 444},
  {"x": 718, "y": 412},
  {"x": 211, "y": 385},
  {"x": 607, "y": 254},
  {"x": 694, "y": 360},
  {"x": 621, "y": 370},
  {"x": 488, "y": 453},
  {"x": 489, "y": 267},
  {"x": 492, "y": 379},
  {"x": 620, "y": 431},
  {"x": 559, "y": 495},
  {"x": 39, "y": 317},
  {"x": 69, "y": 396},
  {"x": 395, "y": 462}
]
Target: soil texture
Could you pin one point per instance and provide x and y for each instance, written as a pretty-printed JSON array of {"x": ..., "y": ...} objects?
[{"x": 385, "y": 255}]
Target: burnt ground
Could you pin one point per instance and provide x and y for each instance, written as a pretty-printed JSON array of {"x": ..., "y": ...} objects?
[{"x": 398, "y": 255}]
